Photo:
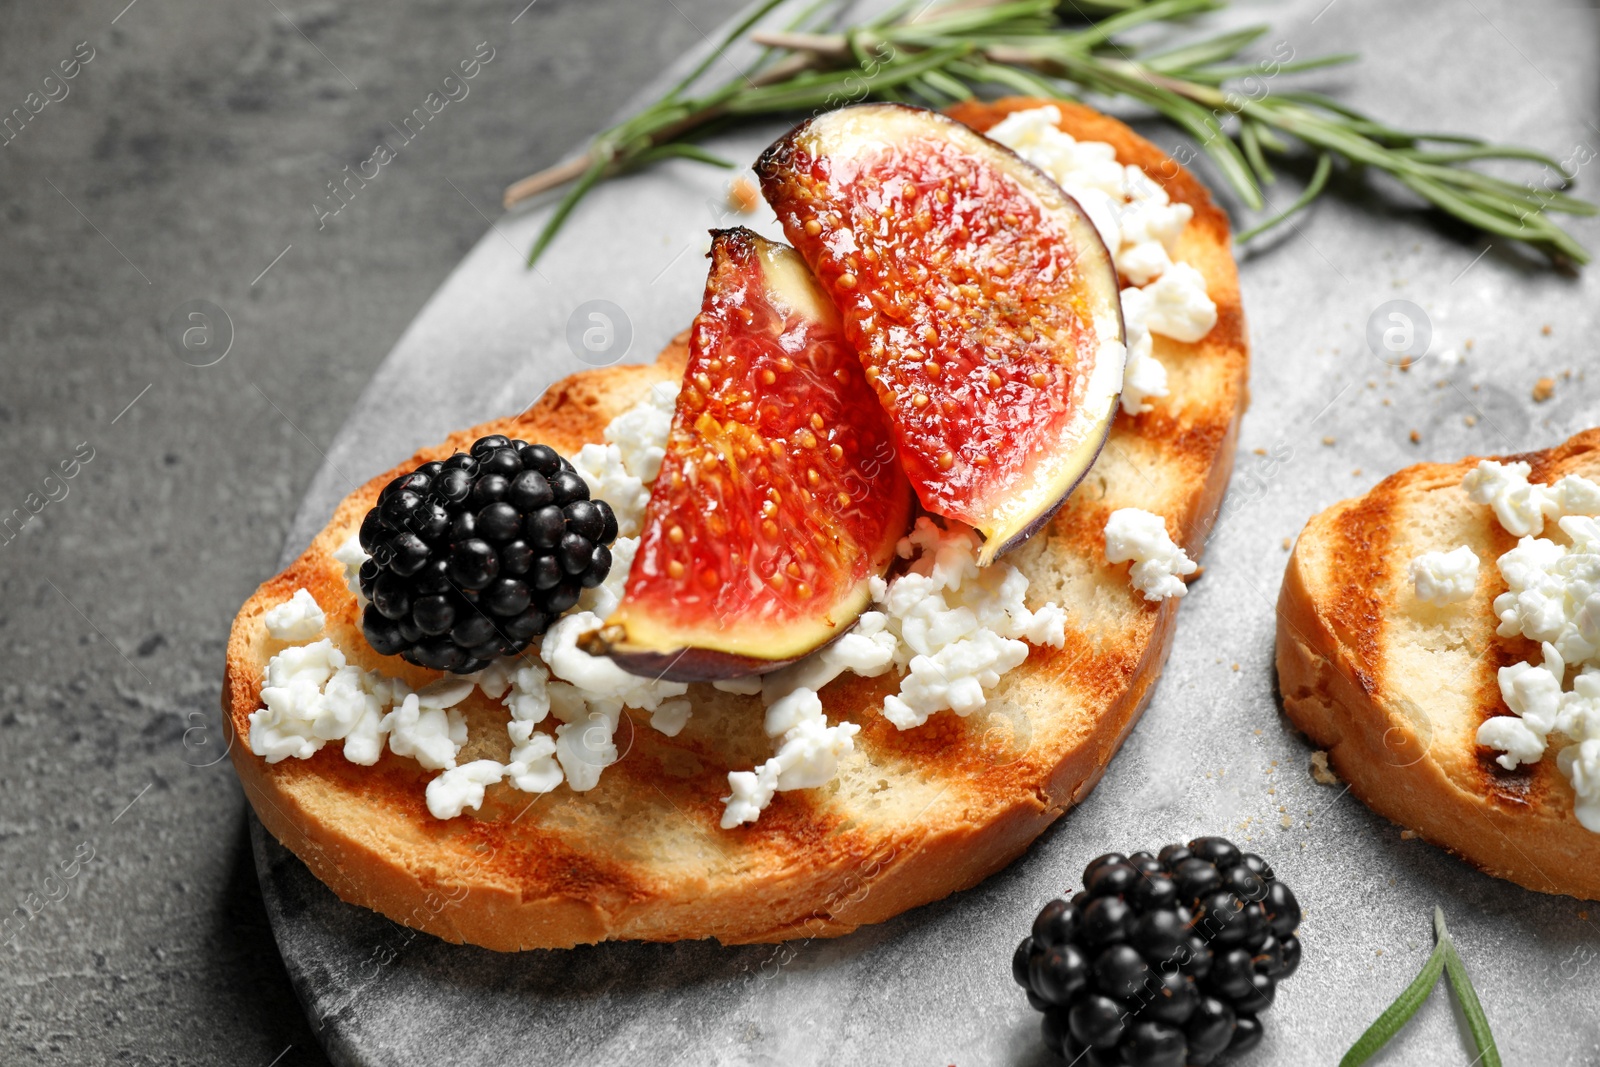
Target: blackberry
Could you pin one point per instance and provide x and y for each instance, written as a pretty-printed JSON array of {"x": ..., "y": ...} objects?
[
  {"x": 475, "y": 556},
  {"x": 1162, "y": 960}
]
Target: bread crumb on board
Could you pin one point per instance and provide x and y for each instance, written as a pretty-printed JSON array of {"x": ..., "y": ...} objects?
[
  {"x": 743, "y": 196},
  {"x": 1543, "y": 390},
  {"x": 1408, "y": 835},
  {"x": 1320, "y": 772}
]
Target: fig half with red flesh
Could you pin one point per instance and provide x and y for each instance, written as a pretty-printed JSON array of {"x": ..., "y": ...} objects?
[
  {"x": 978, "y": 295},
  {"x": 780, "y": 495}
]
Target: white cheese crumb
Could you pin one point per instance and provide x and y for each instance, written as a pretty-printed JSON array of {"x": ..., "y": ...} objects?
[
  {"x": 312, "y": 697},
  {"x": 495, "y": 679},
  {"x": 1179, "y": 306},
  {"x": 430, "y": 735},
  {"x": 529, "y": 695},
  {"x": 351, "y": 555},
  {"x": 1443, "y": 578},
  {"x": 533, "y": 767},
  {"x": 462, "y": 787},
  {"x": 620, "y": 470},
  {"x": 601, "y": 466},
  {"x": 1512, "y": 737},
  {"x": 1553, "y": 592},
  {"x": 1504, "y": 487},
  {"x": 807, "y": 757},
  {"x": 958, "y": 627},
  {"x": 1144, "y": 376},
  {"x": 748, "y": 685},
  {"x": 1138, "y": 536},
  {"x": 1581, "y": 764},
  {"x": 292, "y": 694},
  {"x": 585, "y": 740},
  {"x": 299, "y": 618},
  {"x": 640, "y": 433},
  {"x": 672, "y": 716}
]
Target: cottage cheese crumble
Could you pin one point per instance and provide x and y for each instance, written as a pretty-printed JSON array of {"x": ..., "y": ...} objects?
[
  {"x": 952, "y": 629},
  {"x": 299, "y": 618},
  {"x": 1139, "y": 537},
  {"x": 621, "y": 470},
  {"x": 1552, "y": 597},
  {"x": 351, "y": 556},
  {"x": 1444, "y": 578},
  {"x": 1140, "y": 226}
]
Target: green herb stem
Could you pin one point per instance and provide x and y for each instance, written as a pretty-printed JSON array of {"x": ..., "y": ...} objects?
[
  {"x": 1443, "y": 958},
  {"x": 960, "y": 49},
  {"x": 1477, "y": 1021},
  {"x": 1399, "y": 1013}
]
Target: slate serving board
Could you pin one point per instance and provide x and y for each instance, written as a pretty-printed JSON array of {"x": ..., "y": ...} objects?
[{"x": 1213, "y": 753}]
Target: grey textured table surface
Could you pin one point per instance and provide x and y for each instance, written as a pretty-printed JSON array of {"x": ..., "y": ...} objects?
[
  {"x": 194, "y": 143},
  {"x": 227, "y": 123}
]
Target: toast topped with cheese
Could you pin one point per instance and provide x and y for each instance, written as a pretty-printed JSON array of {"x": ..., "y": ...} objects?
[
  {"x": 1394, "y": 660},
  {"x": 911, "y": 815}
]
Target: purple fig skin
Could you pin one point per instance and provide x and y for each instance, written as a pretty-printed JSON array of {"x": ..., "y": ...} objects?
[
  {"x": 1042, "y": 520},
  {"x": 693, "y": 664}
]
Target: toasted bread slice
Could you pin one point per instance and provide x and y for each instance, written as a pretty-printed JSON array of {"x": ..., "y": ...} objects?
[
  {"x": 913, "y": 816},
  {"x": 1395, "y": 688}
]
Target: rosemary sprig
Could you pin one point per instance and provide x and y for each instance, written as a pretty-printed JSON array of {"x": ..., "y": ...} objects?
[
  {"x": 1443, "y": 958},
  {"x": 1477, "y": 1021},
  {"x": 960, "y": 49}
]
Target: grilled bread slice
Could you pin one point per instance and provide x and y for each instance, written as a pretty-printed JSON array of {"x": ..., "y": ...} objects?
[
  {"x": 1395, "y": 688},
  {"x": 914, "y": 815}
]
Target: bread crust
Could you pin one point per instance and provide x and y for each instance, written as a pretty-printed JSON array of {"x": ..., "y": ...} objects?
[
  {"x": 915, "y": 816},
  {"x": 1360, "y": 673}
]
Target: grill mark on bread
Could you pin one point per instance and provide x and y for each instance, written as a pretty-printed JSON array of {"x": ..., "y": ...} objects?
[
  {"x": 1361, "y": 538},
  {"x": 1508, "y": 787}
]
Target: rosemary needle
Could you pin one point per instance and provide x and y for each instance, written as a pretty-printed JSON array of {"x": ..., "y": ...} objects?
[
  {"x": 1477, "y": 1021},
  {"x": 960, "y": 49},
  {"x": 1443, "y": 958},
  {"x": 1399, "y": 1013}
]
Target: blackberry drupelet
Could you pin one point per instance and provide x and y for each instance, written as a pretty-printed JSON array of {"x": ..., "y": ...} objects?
[
  {"x": 475, "y": 556},
  {"x": 1162, "y": 960}
]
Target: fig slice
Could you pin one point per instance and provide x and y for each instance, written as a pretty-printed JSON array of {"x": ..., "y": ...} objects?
[
  {"x": 978, "y": 295},
  {"x": 780, "y": 496}
]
